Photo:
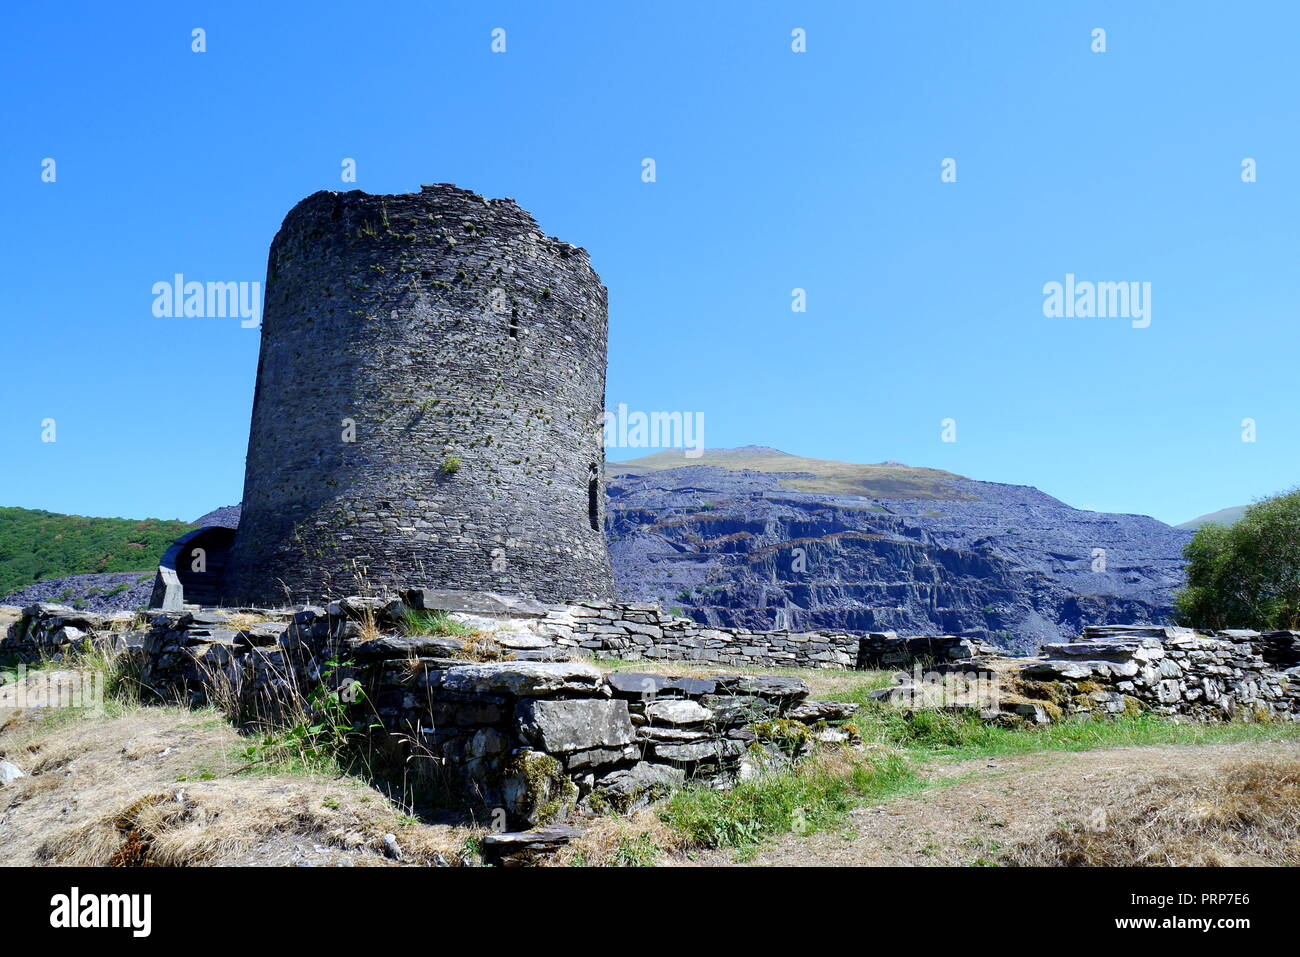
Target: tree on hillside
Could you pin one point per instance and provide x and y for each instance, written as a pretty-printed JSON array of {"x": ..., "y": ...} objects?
[{"x": 1246, "y": 575}]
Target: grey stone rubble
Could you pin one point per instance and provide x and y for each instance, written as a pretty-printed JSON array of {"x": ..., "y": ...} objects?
[
  {"x": 521, "y": 847},
  {"x": 97, "y": 592},
  {"x": 9, "y": 772},
  {"x": 887, "y": 650},
  {"x": 46, "y": 629}
]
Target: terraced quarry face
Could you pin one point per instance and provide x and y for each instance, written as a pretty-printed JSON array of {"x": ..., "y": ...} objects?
[{"x": 757, "y": 538}]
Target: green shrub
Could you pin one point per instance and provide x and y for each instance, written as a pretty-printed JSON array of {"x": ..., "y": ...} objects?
[{"x": 1246, "y": 575}]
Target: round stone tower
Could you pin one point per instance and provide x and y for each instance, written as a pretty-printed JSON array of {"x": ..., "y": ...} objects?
[{"x": 428, "y": 405}]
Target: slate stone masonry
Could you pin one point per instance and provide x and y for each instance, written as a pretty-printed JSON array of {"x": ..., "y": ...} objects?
[
  {"x": 508, "y": 715},
  {"x": 467, "y": 351},
  {"x": 1114, "y": 669},
  {"x": 537, "y": 735}
]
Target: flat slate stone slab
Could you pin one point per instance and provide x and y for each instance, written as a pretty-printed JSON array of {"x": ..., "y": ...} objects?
[
  {"x": 677, "y": 711},
  {"x": 636, "y": 684},
  {"x": 420, "y": 646},
  {"x": 639, "y": 684},
  {"x": 542, "y": 654},
  {"x": 521, "y": 641},
  {"x": 542, "y": 835},
  {"x": 472, "y": 602},
  {"x": 811, "y": 711},
  {"x": 564, "y": 726},
  {"x": 524, "y": 679},
  {"x": 765, "y": 686},
  {"x": 521, "y": 847}
]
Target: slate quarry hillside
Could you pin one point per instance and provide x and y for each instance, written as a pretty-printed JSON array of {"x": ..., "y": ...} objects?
[{"x": 915, "y": 550}]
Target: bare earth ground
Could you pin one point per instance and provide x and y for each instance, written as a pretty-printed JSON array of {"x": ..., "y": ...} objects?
[
  {"x": 166, "y": 785},
  {"x": 996, "y": 802}
]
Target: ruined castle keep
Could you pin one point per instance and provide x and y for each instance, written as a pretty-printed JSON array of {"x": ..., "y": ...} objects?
[{"x": 428, "y": 405}]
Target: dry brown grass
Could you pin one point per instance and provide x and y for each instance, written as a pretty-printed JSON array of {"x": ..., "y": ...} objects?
[
  {"x": 634, "y": 840},
  {"x": 1246, "y": 814},
  {"x": 246, "y": 619},
  {"x": 142, "y": 786},
  {"x": 480, "y": 646},
  {"x": 242, "y": 822}
]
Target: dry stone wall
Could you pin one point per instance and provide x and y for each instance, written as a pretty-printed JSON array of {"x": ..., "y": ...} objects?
[
  {"x": 1174, "y": 671},
  {"x": 525, "y": 732},
  {"x": 47, "y": 629},
  {"x": 635, "y": 631}
]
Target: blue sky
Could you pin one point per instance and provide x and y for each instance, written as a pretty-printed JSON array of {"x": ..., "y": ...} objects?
[{"x": 775, "y": 170}]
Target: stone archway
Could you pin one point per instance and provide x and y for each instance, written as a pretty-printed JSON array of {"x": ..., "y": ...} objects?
[{"x": 191, "y": 571}]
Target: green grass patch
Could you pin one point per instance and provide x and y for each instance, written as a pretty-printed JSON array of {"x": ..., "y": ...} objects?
[
  {"x": 436, "y": 623},
  {"x": 859, "y": 692},
  {"x": 928, "y": 734},
  {"x": 817, "y": 793},
  {"x": 811, "y": 796}
]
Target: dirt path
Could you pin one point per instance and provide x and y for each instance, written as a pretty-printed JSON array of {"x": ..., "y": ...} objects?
[{"x": 996, "y": 802}]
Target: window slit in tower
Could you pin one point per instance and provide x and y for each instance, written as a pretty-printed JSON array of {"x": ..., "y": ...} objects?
[
  {"x": 593, "y": 501},
  {"x": 514, "y": 322}
]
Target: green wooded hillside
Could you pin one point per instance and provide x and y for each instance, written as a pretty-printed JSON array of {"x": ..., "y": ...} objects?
[{"x": 35, "y": 544}]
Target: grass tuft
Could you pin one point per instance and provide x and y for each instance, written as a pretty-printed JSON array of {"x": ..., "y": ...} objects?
[
  {"x": 436, "y": 623},
  {"x": 811, "y": 796}
]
